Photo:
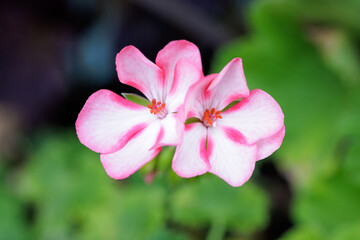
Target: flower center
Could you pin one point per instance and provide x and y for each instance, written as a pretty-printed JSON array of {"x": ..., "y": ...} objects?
[
  {"x": 158, "y": 108},
  {"x": 210, "y": 117}
]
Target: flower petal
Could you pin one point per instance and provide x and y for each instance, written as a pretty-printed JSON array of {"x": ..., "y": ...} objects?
[
  {"x": 230, "y": 160},
  {"x": 134, "y": 69},
  {"x": 186, "y": 74},
  {"x": 190, "y": 158},
  {"x": 135, "y": 154},
  {"x": 266, "y": 146},
  {"x": 171, "y": 131},
  {"x": 196, "y": 99},
  {"x": 255, "y": 117},
  {"x": 107, "y": 121},
  {"x": 168, "y": 57},
  {"x": 229, "y": 85}
]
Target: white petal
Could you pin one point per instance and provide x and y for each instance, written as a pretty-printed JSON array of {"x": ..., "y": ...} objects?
[
  {"x": 190, "y": 158},
  {"x": 107, "y": 121},
  {"x": 266, "y": 146},
  {"x": 196, "y": 100},
  {"x": 135, "y": 154},
  {"x": 171, "y": 131},
  {"x": 186, "y": 74},
  {"x": 228, "y": 86},
  {"x": 256, "y": 117},
  {"x": 230, "y": 160},
  {"x": 169, "y": 56},
  {"x": 134, "y": 69}
]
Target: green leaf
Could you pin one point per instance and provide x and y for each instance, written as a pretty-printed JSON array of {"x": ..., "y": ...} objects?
[
  {"x": 132, "y": 97},
  {"x": 230, "y": 105},
  {"x": 192, "y": 120}
]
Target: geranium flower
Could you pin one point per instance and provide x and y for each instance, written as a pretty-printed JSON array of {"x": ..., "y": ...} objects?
[
  {"x": 129, "y": 135},
  {"x": 228, "y": 143}
]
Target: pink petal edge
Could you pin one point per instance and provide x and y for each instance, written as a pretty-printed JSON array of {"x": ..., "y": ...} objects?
[
  {"x": 268, "y": 146},
  {"x": 186, "y": 74},
  {"x": 168, "y": 57},
  {"x": 190, "y": 158},
  {"x": 196, "y": 99},
  {"x": 228, "y": 86},
  {"x": 102, "y": 125},
  {"x": 134, "y": 69},
  {"x": 171, "y": 131},
  {"x": 232, "y": 161},
  {"x": 256, "y": 117},
  {"x": 134, "y": 155}
]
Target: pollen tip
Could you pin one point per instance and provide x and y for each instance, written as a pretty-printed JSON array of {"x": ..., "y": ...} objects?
[
  {"x": 210, "y": 117},
  {"x": 153, "y": 101}
]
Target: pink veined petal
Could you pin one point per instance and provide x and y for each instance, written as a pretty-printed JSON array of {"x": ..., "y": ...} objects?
[
  {"x": 107, "y": 121},
  {"x": 266, "y": 146},
  {"x": 171, "y": 131},
  {"x": 230, "y": 160},
  {"x": 135, "y": 154},
  {"x": 190, "y": 158},
  {"x": 168, "y": 57},
  {"x": 228, "y": 86},
  {"x": 186, "y": 74},
  {"x": 195, "y": 100},
  {"x": 255, "y": 117},
  {"x": 134, "y": 69}
]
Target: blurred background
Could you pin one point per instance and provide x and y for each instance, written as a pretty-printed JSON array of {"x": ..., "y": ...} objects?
[{"x": 55, "y": 54}]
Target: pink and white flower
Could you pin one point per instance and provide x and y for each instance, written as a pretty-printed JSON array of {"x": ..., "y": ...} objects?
[
  {"x": 129, "y": 135},
  {"x": 228, "y": 143}
]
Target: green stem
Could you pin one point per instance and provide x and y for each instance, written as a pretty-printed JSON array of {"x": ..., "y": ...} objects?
[{"x": 217, "y": 229}]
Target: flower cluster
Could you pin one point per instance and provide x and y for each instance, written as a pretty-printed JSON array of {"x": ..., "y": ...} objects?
[{"x": 226, "y": 143}]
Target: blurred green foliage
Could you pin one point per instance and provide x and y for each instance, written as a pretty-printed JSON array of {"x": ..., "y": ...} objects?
[
  {"x": 73, "y": 198},
  {"x": 211, "y": 201},
  {"x": 12, "y": 224},
  {"x": 302, "y": 52},
  {"x": 69, "y": 196}
]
